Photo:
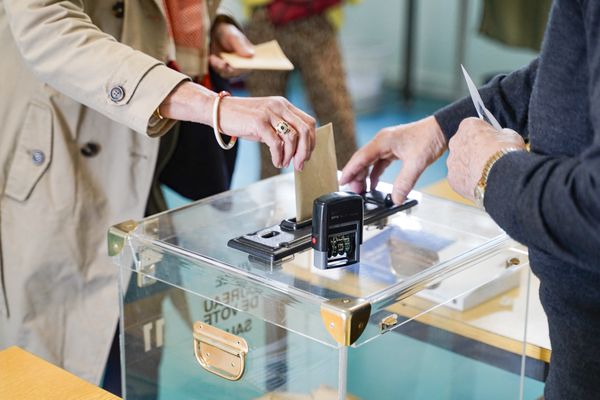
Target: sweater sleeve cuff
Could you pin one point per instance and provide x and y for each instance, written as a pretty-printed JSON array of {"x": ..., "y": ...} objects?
[
  {"x": 501, "y": 200},
  {"x": 450, "y": 117}
]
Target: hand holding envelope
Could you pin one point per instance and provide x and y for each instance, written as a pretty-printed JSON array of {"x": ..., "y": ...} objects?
[{"x": 267, "y": 56}]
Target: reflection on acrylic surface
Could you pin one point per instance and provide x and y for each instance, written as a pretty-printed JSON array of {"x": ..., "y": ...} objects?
[{"x": 397, "y": 253}]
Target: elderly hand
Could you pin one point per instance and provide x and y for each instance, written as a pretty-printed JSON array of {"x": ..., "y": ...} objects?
[
  {"x": 228, "y": 38},
  {"x": 471, "y": 147},
  {"x": 418, "y": 145}
]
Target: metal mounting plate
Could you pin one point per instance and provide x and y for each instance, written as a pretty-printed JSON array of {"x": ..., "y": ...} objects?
[{"x": 275, "y": 243}]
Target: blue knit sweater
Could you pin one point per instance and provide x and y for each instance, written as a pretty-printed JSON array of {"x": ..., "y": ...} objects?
[{"x": 549, "y": 199}]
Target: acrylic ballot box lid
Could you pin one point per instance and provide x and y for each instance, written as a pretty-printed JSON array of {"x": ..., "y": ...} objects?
[{"x": 415, "y": 251}]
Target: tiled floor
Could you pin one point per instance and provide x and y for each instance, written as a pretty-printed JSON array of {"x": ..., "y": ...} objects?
[{"x": 392, "y": 111}]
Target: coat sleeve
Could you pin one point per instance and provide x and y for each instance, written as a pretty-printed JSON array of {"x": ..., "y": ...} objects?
[
  {"x": 506, "y": 96},
  {"x": 552, "y": 203},
  {"x": 64, "y": 49}
]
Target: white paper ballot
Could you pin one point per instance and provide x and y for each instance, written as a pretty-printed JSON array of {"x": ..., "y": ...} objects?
[
  {"x": 482, "y": 111},
  {"x": 267, "y": 56}
]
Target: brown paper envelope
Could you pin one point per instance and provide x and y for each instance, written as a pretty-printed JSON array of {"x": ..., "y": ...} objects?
[
  {"x": 267, "y": 56},
  {"x": 319, "y": 175}
]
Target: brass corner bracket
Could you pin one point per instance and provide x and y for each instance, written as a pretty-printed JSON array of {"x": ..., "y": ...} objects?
[
  {"x": 117, "y": 235},
  {"x": 345, "y": 319}
]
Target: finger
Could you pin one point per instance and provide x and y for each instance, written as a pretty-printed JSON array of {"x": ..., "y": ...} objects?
[
  {"x": 230, "y": 72},
  {"x": 310, "y": 122},
  {"x": 271, "y": 139},
  {"x": 290, "y": 140},
  {"x": 360, "y": 161},
  {"x": 405, "y": 181},
  {"x": 359, "y": 184},
  {"x": 234, "y": 72},
  {"x": 377, "y": 170},
  {"x": 218, "y": 64},
  {"x": 304, "y": 142},
  {"x": 510, "y": 132},
  {"x": 242, "y": 46}
]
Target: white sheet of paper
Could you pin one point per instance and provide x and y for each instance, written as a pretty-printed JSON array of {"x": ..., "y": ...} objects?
[
  {"x": 482, "y": 111},
  {"x": 267, "y": 56},
  {"x": 319, "y": 175}
]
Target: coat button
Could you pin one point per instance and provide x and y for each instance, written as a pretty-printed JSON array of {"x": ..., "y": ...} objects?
[
  {"x": 118, "y": 9},
  {"x": 90, "y": 149},
  {"x": 38, "y": 157},
  {"x": 117, "y": 93}
]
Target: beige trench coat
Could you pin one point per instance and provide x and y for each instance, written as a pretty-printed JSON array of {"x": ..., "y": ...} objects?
[{"x": 76, "y": 80}]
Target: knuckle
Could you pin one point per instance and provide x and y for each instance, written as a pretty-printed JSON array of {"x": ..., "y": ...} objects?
[
  {"x": 465, "y": 123},
  {"x": 292, "y": 136},
  {"x": 279, "y": 102},
  {"x": 382, "y": 133},
  {"x": 304, "y": 131},
  {"x": 264, "y": 111}
]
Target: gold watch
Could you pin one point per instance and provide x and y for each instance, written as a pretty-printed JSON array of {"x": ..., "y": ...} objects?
[{"x": 482, "y": 183}]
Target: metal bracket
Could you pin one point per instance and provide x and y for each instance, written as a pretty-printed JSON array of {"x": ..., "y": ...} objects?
[
  {"x": 277, "y": 242},
  {"x": 388, "y": 322},
  {"x": 220, "y": 352},
  {"x": 146, "y": 267},
  {"x": 117, "y": 235},
  {"x": 345, "y": 319}
]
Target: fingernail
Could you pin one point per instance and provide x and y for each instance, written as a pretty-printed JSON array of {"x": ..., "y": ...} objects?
[{"x": 301, "y": 166}]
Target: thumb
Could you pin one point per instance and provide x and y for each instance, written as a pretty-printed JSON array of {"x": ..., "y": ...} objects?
[
  {"x": 242, "y": 46},
  {"x": 405, "y": 181}
]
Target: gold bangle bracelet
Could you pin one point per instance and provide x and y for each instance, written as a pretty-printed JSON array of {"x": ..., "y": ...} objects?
[
  {"x": 216, "y": 127},
  {"x": 157, "y": 113}
]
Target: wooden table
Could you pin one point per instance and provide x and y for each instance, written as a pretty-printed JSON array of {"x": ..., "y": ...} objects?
[{"x": 24, "y": 376}]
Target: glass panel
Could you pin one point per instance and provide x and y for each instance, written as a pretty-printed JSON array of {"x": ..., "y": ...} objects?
[
  {"x": 158, "y": 350},
  {"x": 446, "y": 272},
  {"x": 469, "y": 347},
  {"x": 434, "y": 233}
]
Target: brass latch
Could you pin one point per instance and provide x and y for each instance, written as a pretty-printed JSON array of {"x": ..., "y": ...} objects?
[
  {"x": 220, "y": 352},
  {"x": 388, "y": 322}
]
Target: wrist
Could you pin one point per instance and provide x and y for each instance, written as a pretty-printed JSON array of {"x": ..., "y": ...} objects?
[
  {"x": 437, "y": 142},
  {"x": 436, "y": 130},
  {"x": 480, "y": 187},
  {"x": 189, "y": 102}
]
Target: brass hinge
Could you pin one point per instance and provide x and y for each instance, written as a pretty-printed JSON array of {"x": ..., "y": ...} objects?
[
  {"x": 345, "y": 319},
  {"x": 220, "y": 352},
  {"x": 117, "y": 235}
]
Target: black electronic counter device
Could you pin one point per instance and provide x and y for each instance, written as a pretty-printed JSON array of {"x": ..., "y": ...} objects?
[
  {"x": 336, "y": 232},
  {"x": 337, "y": 226}
]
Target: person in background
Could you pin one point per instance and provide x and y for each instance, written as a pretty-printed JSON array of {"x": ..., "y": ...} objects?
[
  {"x": 87, "y": 95},
  {"x": 307, "y": 32},
  {"x": 547, "y": 198}
]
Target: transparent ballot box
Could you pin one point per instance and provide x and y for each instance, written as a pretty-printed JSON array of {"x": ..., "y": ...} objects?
[{"x": 436, "y": 308}]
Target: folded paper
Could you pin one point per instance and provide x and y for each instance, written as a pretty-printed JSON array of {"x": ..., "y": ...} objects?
[
  {"x": 319, "y": 175},
  {"x": 267, "y": 56}
]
